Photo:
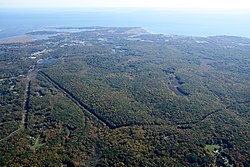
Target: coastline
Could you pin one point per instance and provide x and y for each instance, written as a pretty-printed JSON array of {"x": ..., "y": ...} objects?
[{"x": 22, "y": 39}]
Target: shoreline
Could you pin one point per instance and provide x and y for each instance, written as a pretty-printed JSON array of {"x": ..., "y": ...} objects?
[{"x": 22, "y": 39}]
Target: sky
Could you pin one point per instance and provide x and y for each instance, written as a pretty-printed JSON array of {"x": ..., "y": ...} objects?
[{"x": 175, "y": 4}]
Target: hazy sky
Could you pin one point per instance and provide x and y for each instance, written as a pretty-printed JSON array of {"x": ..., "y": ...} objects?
[{"x": 197, "y": 4}]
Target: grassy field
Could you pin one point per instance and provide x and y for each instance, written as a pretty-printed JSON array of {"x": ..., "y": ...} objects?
[{"x": 211, "y": 148}]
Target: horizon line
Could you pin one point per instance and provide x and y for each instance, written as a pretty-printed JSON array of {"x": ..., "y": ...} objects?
[{"x": 131, "y": 8}]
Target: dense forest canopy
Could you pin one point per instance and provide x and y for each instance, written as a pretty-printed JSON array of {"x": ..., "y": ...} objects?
[{"x": 124, "y": 97}]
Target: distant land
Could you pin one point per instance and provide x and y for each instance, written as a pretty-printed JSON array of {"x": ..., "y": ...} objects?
[
  {"x": 16, "y": 22},
  {"x": 21, "y": 39}
]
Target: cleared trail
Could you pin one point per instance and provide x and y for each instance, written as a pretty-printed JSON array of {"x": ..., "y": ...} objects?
[
  {"x": 26, "y": 106},
  {"x": 24, "y": 121},
  {"x": 83, "y": 106},
  {"x": 12, "y": 134},
  {"x": 76, "y": 101}
]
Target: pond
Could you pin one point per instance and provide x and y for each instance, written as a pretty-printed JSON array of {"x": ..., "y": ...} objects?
[
  {"x": 174, "y": 86},
  {"x": 50, "y": 60}
]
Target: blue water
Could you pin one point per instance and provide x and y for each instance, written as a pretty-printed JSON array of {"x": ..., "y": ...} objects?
[
  {"x": 192, "y": 23},
  {"x": 50, "y": 60}
]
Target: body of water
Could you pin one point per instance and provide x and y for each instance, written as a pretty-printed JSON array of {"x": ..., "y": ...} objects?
[
  {"x": 50, "y": 60},
  {"x": 191, "y": 23}
]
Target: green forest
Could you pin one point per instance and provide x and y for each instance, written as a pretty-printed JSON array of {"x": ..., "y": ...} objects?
[{"x": 120, "y": 96}]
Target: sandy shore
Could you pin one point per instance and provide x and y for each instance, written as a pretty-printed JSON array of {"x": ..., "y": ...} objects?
[{"x": 23, "y": 39}]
